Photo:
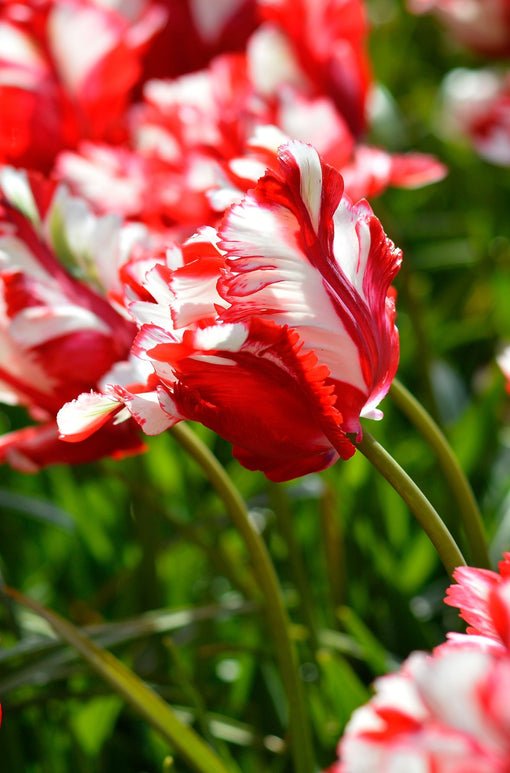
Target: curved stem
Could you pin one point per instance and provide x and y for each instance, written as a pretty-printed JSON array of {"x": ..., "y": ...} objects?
[
  {"x": 277, "y": 618},
  {"x": 468, "y": 508},
  {"x": 417, "y": 502}
]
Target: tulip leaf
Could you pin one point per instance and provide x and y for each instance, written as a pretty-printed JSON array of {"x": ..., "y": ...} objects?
[{"x": 135, "y": 692}]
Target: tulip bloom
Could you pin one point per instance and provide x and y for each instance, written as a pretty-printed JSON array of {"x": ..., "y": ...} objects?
[
  {"x": 195, "y": 147},
  {"x": 58, "y": 335},
  {"x": 483, "y": 25},
  {"x": 483, "y": 597},
  {"x": 446, "y": 712},
  {"x": 476, "y": 105},
  {"x": 322, "y": 46},
  {"x": 442, "y": 714},
  {"x": 54, "y": 90},
  {"x": 278, "y": 333}
]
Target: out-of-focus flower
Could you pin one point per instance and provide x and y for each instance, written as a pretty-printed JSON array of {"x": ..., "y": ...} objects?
[
  {"x": 278, "y": 333},
  {"x": 504, "y": 363},
  {"x": 447, "y": 712},
  {"x": 476, "y": 105},
  {"x": 321, "y": 46},
  {"x": 442, "y": 714},
  {"x": 366, "y": 171},
  {"x": 483, "y": 598},
  {"x": 58, "y": 334},
  {"x": 199, "y": 142},
  {"x": 56, "y": 90},
  {"x": 483, "y": 25},
  {"x": 180, "y": 136},
  {"x": 198, "y": 30}
]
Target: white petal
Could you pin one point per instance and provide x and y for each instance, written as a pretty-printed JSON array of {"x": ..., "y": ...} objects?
[
  {"x": 145, "y": 408},
  {"x": 85, "y": 414},
  {"x": 281, "y": 281},
  {"x": 15, "y": 185},
  {"x": 37, "y": 324},
  {"x": 227, "y": 337},
  {"x": 310, "y": 169}
]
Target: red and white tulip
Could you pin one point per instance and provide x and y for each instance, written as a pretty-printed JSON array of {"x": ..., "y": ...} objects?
[
  {"x": 483, "y": 25},
  {"x": 58, "y": 334},
  {"x": 476, "y": 106},
  {"x": 278, "y": 333},
  {"x": 446, "y": 712},
  {"x": 54, "y": 90}
]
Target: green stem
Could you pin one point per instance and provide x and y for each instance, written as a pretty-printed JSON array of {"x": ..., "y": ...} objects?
[
  {"x": 468, "y": 509},
  {"x": 415, "y": 499},
  {"x": 277, "y": 618}
]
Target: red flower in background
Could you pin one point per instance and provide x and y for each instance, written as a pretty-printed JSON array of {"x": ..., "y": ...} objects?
[
  {"x": 56, "y": 90},
  {"x": 157, "y": 150},
  {"x": 279, "y": 336},
  {"x": 58, "y": 336},
  {"x": 199, "y": 142},
  {"x": 327, "y": 40},
  {"x": 476, "y": 105},
  {"x": 483, "y": 25}
]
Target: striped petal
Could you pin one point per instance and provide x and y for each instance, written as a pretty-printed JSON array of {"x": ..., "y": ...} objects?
[{"x": 300, "y": 254}]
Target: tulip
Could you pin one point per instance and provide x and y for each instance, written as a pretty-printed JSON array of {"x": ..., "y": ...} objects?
[
  {"x": 277, "y": 332},
  {"x": 58, "y": 335},
  {"x": 445, "y": 712},
  {"x": 483, "y": 25}
]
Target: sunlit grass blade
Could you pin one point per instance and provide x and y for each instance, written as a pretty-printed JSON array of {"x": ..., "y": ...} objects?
[
  {"x": 135, "y": 692},
  {"x": 157, "y": 621},
  {"x": 37, "y": 509},
  {"x": 36, "y": 655}
]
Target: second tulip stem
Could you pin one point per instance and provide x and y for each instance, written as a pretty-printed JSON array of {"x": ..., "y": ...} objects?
[{"x": 424, "y": 512}]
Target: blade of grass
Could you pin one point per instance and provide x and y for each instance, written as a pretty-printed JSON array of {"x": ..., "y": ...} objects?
[
  {"x": 157, "y": 621},
  {"x": 52, "y": 655},
  {"x": 135, "y": 692}
]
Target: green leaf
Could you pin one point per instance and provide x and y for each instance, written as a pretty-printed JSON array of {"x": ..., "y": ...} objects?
[
  {"x": 93, "y": 722},
  {"x": 134, "y": 691},
  {"x": 37, "y": 509}
]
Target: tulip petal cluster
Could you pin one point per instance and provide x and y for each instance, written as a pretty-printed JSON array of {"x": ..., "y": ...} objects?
[
  {"x": 58, "y": 335},
  {"x": 183, "y": 249},
  {"x": 482, "y": 25},
  {"x": 277, "y": 332},
  {"x": 446, "y": 712}
]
